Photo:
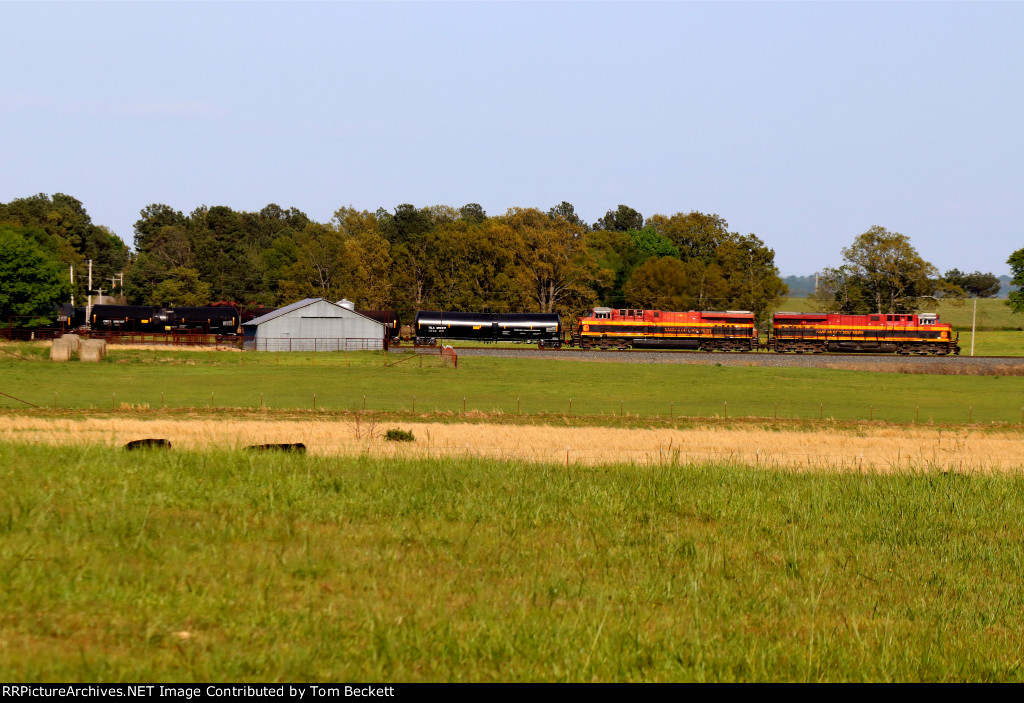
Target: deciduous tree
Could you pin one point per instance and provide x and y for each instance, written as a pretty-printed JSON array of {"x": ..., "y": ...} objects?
[
  {"x": 1016, "y": 262},
  {"x": 181, "y": 288},
  {"x": 883, "y": 273},
  {"x": 621, "y": 219},
  {"x": 32, "y": 280},
  {"x": 974, "y": 285}
]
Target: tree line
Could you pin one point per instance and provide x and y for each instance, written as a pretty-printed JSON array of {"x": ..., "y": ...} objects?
[{"x": 439, "y": 257}]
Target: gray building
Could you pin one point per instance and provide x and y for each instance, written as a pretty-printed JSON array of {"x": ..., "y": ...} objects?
[{"x": 313, "y": 324}]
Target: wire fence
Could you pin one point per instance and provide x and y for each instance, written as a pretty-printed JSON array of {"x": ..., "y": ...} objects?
[
  {"x": 165, "y": 339},
  {"x": 20, "y": 334}
]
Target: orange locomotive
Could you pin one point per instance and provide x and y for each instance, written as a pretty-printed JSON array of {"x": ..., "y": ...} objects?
[
  {"x": 918, "y": 333},
  {"x": 609, "y": 328}
]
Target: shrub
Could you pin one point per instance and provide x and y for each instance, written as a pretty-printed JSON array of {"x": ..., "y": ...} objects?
[{"x": 397, "y": 435}]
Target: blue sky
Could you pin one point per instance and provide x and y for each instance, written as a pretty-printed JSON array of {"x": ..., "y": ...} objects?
[{"x": 804, "y": 123}]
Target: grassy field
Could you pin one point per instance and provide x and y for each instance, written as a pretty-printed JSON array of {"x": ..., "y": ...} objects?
[
  {"x": 177, "y": 566},
  {"x": 807, "y": 445},
  {"x": 149, "y": 380}
]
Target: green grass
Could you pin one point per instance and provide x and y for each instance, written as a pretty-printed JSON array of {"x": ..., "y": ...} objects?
[
  {"x": 311, "y": 569},
  {"x": 509, "y": 387},
  {"x": 992, "y": 343}
]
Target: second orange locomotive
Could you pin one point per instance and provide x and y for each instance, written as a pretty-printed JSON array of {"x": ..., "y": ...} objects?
[{"x": 609, "y": 328}]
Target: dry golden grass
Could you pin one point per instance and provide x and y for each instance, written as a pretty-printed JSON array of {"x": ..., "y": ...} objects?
[{"x": 861, "y": 447}]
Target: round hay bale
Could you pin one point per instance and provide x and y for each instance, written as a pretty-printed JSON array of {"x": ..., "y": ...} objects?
[
  {"x": 92, "y": 350},
  {"x": 73, "y": 340},
  {"x": 60, "y": 351}
]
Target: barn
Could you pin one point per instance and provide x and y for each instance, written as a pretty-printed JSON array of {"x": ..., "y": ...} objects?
[{"x": 313, "y": 324}]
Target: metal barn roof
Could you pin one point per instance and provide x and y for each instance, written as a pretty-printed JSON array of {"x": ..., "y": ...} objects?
[{"x": 298, "y": 306}]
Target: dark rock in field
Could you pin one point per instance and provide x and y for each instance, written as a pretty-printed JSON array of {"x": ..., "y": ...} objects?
[
  {"x": 148, "y": 444},
  {"x": 298, "y": 447}
]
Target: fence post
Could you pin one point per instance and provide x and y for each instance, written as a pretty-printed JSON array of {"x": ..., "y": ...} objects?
[
  {"x": 821, "y": 410},
  {"x": 725, "y": 406},
  {"x": 314, "y": 401},
  {"x": 872, "y": 415},
  {"x": 414, "y": 406},
  {"x": 113, "y": 401}
]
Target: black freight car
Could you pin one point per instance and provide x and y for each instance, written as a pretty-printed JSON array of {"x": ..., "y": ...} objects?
[
  {"x": 544, "y": 329},
  {"x": 221, "y": 319},
  {"x": 126, "y": 319}
]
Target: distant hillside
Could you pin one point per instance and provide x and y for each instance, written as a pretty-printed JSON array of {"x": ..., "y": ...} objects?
[{"x": 800, "y": 286}]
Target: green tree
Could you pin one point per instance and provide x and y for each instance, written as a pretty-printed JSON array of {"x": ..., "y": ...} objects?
[
  {"x": 666, "y": 283},
  {"x": 370, "y": 255},
  {"x": 322, "y": 270},
  {"x": 753, "y": 279},
  {"x": 695, "y": 234},
  {"x": 62, "y": 226},
  {"x": 406, "y": 231},
  {"x": 883, "y": 273},
  {"x": 649, "y": 242},
  {"x": 472, "y": 212},
  {"x": 615, "y": 257},
  {"x": 621, "y": 219},
  {"x": 474, "y": 267},
  {"x": 659, "y": 284},
  {"x": 1016, "y": 262},
  {"x": 181, "y": 288},
  {"x": 566, "y": 211},
  {"x": 32, "y": 280},
  {"x": 551, "y": 260},
  {"x": 152, "y": 219},
  {"x": 145, "y": 273},
  {"x": 974, "y": 285}
]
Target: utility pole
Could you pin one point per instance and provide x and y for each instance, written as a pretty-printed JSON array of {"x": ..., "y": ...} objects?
[
  {"x": 88, "y": 305},
  {"x": 974, "y": 316}
]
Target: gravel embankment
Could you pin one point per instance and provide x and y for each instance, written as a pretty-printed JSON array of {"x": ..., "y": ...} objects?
[{"x": 967, "y": 365}]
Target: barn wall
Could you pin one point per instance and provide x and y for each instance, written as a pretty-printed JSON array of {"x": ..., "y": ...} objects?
[{"x": 320, "y": 326}]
